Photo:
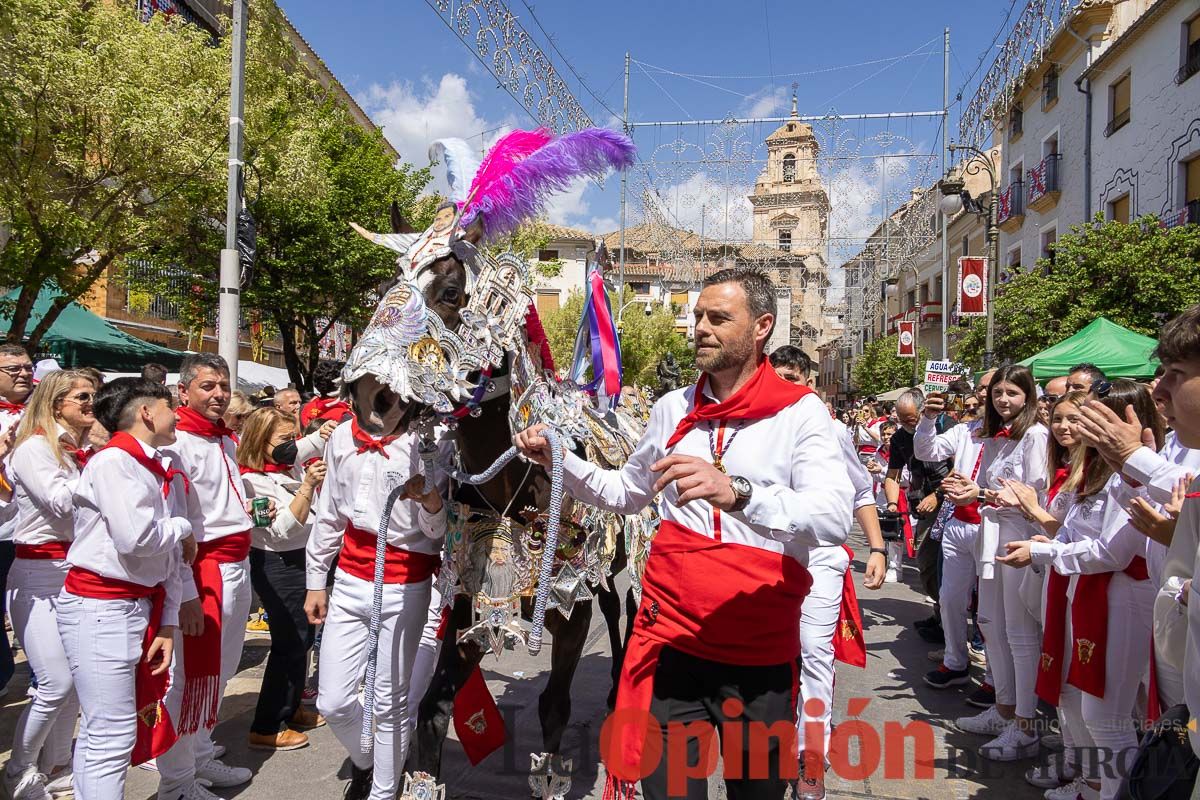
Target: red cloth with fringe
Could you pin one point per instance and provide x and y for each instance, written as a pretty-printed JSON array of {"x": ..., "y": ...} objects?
[{"x": 849, "y": 646}]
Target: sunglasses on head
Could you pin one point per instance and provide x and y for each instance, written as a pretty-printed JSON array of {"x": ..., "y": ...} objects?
[
  {"x": 1102, "y": 388},
  {"x": 1051, "y": 398}
]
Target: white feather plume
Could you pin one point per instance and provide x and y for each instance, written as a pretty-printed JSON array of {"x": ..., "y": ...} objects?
[{"x": 460, "y": 162}]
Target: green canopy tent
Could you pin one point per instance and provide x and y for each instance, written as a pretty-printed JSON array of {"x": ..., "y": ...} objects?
[
  {"x": 1118, "y": 351},
  {"x": 79, "y": 338}
]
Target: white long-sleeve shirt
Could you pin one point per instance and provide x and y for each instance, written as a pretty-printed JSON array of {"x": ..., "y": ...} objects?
[
  {"x": 802, "y": 494},
  {"x": 8, "y": 510},
  {"x": 126, "y": 529},
  {"x": 1159, "y": 471},
  {"x": 1096, "y": 535},
  {"x": 959, "y": 443},
  {"x": 354, "y": 493},
  {"x": 1177, "y": 627},
  {"x": 1021, "y": 460},
  {"x": 44, "y": 490},
  {"x": 285, "y": 532},
  {"x": 212, "y": 468},
  {"x": 864, "y": 485}
]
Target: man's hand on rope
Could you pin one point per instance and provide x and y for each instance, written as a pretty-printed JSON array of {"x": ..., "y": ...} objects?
[{"x": 534, "y": 445}]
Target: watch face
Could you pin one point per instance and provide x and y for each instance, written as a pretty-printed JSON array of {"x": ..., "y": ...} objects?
[{"x": 740, "y": 485}]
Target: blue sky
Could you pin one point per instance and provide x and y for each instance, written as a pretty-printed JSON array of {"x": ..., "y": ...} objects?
[{"x": 414, "y": 76}]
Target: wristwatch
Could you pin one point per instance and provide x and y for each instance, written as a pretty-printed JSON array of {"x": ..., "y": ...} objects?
[
  {"x": 880, "y": 550},
  {"x": 741, "y": 492}
]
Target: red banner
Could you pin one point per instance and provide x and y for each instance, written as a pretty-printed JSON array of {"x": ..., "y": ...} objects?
[
  {"x": 972, "y": 286},
  {"x": 906, "y": 342}
]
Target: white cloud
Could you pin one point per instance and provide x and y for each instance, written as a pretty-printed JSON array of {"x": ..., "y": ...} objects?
[
  {"x": 766, "y": 102},
  {"x": 726, "y": 211},
  {"x": 412, "y": 116}
]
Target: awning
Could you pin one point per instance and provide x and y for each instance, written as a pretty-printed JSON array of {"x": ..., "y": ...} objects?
[
  {"x": 79, "y": 338},
  {"x": 1118, "y": 351}
]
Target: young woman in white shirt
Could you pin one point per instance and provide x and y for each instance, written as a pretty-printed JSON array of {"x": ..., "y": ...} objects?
[
  {"x": 1015, "y": 445},
  {"x": 265, "y": 458},
  {"x": 1097, "y": 650},
  {"x": 49, "y": 452}
]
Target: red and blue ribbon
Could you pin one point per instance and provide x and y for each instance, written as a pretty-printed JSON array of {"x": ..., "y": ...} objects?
[{"x": 598, "y": 334}]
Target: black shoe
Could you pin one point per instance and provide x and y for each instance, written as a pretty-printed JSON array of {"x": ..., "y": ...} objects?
[
  {"x": 929, "y": 622},
  {"x": 944, "y": 678},
  {"x": 932, "y": 635},
  {"x": 983, "y": 697},
  {"x": 359, "y": 787}
]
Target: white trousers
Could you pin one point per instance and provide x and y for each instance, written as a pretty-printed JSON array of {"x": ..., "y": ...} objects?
[
  {"x": 1107, "y": 722},
  {"x": 343, "y": 664},
  {"x": 818, "y": 625},
  {"x": 428, "y": 650},
  {"x": 958, "y": 581},
  {"x": 177, "y": 767},
  {"x": 47, "y": 726},
  {"x": 1013, "y": 639},
  {"x": 103, "y": 644}
]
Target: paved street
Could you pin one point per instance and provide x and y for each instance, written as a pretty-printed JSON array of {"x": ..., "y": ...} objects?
[{"x": 890, "y": 685}]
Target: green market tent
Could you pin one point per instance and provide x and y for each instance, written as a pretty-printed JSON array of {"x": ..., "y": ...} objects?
[
  {"x": 1118, "y": 351},
  {"x": 79, "y": 338}
]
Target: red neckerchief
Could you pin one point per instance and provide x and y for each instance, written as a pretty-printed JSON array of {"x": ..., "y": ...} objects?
[
  {"x": 127, "y": 443},
  {"x": 192, "y": 421},
  {"x": 12, "y": 408},
  {"x": 367, "y": 442},
  {"x": 267, "y": 468},
  {"x": 81, "y": 455},
  {"x": 764, "y": 395},
  {"x": 1056, "y": 483},
  {"x": 326, "y": 408}
]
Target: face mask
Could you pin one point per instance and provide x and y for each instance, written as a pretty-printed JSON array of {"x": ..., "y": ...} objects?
[{"x": 285, "y": 453}]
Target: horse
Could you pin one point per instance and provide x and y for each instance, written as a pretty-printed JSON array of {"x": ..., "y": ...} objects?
[{"x": 480, "y": 438}]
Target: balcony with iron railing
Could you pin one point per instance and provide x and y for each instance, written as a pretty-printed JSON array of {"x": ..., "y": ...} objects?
[
  {"x": 1189, "y": 214},
  {"x": 1010, "y": 207},
  {"x": 1044, "y": 189}
]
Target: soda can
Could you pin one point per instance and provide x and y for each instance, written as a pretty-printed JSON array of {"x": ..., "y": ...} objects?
[{"x": 258, "y": 508}]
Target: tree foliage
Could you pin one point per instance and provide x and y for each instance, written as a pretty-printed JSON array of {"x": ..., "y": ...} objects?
[
  {"x": 645, "y": 339},
  {"x": 880, "y": 370},
  {"x": 106, "y": 126},
  {"x": 1137, "y": 275}
]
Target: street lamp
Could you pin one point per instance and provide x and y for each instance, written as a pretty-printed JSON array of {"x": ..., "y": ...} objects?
[
  {"x": 620, "y": 311},
  {"x": 955, "y": 198}
]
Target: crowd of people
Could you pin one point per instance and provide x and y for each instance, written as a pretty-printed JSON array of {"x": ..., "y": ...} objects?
[{"x": 1052, "y": 527}]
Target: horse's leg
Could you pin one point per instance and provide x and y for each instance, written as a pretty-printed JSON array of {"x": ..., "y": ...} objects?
[
  {"x": 610, "y": 606},
  {"x": 554, "y": 704},
  {"x": 437, "y": 706}
]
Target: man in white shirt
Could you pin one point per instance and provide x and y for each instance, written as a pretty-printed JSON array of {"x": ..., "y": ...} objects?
[
  {"x": 751, "y": 478},
  {"x": 16, "y": 384},
  {"x": 1176, "y": 612},
  {"x": 212, "y": 618}
]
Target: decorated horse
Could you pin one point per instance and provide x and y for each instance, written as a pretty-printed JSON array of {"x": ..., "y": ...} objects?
[{"x": 456, "y": 351}]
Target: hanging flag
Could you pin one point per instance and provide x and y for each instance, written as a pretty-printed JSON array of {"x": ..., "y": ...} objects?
[
  {"x": 906, "y": 342},
  {"x": 477, "y": 721},
  {"x": 597, "y": 343},
  {"x": 972, "y": 286}
]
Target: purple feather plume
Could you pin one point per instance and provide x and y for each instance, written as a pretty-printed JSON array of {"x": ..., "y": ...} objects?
[{"x": 521, "y": 195}]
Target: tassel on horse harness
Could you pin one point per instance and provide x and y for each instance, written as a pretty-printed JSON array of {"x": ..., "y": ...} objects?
[{"x": 545, "y": 576}]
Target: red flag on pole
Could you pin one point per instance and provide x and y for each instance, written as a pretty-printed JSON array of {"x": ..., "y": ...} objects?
[
  {"x": 477, "y": 720},
  {"x": 906, "y": 342},
  {"x": 972, "y": 286}
]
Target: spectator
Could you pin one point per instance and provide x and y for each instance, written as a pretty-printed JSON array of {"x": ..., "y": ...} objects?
[
  {"x": 1082, "y": 376},
  {"x": 240, "y": 407},
  {"x": 1055, "y": 388},
  {"x": 93, "y": 374},
  {"x": 155, "y": 373},
  {"x": 328, "y": 406},
  {"x": 16, "y": 383},
  {"x": 287, "y": 401}
]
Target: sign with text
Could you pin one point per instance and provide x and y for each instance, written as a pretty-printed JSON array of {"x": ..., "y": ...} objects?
[{"x": 940, "y": 374}]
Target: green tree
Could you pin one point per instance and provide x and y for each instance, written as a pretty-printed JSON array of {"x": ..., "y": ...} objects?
[
  {"x": 1135, "y": 274},
  {"x": 645, "y": 339},
  {"x": 880, "y": 370},
  {"x": 105, "y": 125}
]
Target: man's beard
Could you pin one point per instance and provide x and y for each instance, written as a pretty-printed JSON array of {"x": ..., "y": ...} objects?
[{"x": 723, "y": 357}]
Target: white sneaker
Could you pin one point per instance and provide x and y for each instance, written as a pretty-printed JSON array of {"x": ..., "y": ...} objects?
[
  {"x": 1012, "y": 745},
  {"x": 986, "y": 723},
  {"x": 1075, "y": 790},
  {"x": 221, "y": 775},
  {"x": 197, "y": 791},
  {"x": 61, "y": 784},
  {"x": 891, "y": 576},
  {"x": 218, "y": 750},
  {"x": 29, "y": 784},
  {"x": 149, "y": 766},
  {"x": 1051, "y": 775}
]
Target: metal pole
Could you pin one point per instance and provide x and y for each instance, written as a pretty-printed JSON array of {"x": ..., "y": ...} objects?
[
  {"x": 993, "y": 237},
  {"x": 624, "y": 187},
  {"x": 945, "y": 223},
  {"x": 229, "y": 299}
]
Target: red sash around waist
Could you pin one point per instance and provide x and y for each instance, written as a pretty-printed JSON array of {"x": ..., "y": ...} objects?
[
  {"x": 202, "y": 654},
  {"x": 46, "y": 551},
  {"x": 1089, "y": 632},
  {"x": 400, "y": 566},
  {"x": 155, "y": 731},
  {"x": 724, "y": 602}
]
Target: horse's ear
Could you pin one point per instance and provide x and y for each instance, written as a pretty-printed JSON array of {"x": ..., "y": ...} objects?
[
  {"x": 399, "y": 223},
  {"x": 473, "y": 233}
]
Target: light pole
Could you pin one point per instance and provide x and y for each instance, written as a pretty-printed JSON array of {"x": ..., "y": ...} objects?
[{"x": 954, "y": 198}]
